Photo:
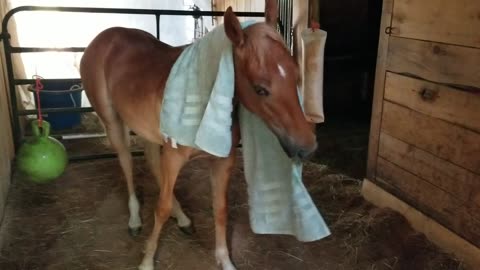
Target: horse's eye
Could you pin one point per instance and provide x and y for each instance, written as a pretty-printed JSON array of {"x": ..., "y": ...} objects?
[{"x": 261, "y": 91}]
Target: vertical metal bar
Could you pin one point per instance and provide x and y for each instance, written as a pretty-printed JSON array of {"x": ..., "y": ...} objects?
[
  {"x": 157, "y": 21},
  {"x": 290, "y": 23},
  {"x": 285, "y": 22},
  {"x": 13, "y": 93},
  {"x": 281, "y": 17}
]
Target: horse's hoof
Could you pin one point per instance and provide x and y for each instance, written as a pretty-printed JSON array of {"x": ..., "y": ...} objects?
[
  {"x": 134, "y": 231},
  {"x": 188, "y": 230},
  {"x": 145, "y": 267}
]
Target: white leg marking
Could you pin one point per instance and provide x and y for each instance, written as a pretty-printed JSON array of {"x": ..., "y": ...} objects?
[
  {"x": 177, "y": 213},
  {"x": 134, "y": 208},
  {"x": 145, "y": 266},
  {"x": 282, "y": 71},
  {"x": 223, "y": 259}
]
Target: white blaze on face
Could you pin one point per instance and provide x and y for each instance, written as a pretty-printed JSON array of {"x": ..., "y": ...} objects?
[{"x": 282, "y": 71}]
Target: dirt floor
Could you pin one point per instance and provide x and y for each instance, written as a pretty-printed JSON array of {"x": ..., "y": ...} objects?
[{"x": 80, "y": 221}]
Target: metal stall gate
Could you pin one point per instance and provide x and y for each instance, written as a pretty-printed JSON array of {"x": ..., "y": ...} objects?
[
  {"x": 285, "y": 21},
  {"x": 13, "y": 82}
]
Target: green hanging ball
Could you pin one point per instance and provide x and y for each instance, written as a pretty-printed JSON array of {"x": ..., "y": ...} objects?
[{"x": 41, "y": 158}]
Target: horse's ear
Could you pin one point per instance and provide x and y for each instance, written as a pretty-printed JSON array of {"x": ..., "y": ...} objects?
[
  {"x": 233, "y": 29},
  {"x": 271, "y": 12}
]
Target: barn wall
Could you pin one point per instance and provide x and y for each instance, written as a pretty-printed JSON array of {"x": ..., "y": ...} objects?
[
  {"x": 240, "y": 5},
  {"x": 6, "y": 143},
  {"x": 425, "y": 132}
]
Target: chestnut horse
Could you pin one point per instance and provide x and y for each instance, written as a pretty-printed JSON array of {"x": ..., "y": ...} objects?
[{"x": 124, "y": 72}]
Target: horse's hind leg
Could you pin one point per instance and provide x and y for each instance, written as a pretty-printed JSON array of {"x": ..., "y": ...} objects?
[
  {"x": 153, "y": 156},
  {"x": 171, "y": 162},
  {"x": 119, "y": 137}
]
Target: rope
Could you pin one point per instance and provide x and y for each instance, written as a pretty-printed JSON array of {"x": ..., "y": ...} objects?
[{"x": 38, "y": 87}]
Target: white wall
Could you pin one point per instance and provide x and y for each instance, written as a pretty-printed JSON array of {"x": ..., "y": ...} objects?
[
  {"x": 69, "y": 29},
  {"x": 55, "y": 29}
]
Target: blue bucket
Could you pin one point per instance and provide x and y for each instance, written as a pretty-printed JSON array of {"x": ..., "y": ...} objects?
[{"x": 61, "y": 94}]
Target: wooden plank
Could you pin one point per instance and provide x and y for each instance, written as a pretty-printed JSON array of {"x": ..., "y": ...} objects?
[
  {"x": 453, "y": 180},
  {"x": 454, "y": 22},
  {"x": 230, "y": 3},
  {"x": 238, "y": 6},
  {"x": 379, "y": 89},
  {"x": 444, "y": 238},
  {"x": 300, "y": 23},
  {"x": 463, "y": 219},
  {"x": 258, "y": 5},
  {"x": 452, "y": 105},
  {"x": 445, "y": 140},
  {"x": 441, "y": 63},
  {"x": 6, "y": 141}
]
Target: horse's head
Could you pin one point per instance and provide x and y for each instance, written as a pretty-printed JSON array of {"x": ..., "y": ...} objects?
[{"x": 266, "y": 77}]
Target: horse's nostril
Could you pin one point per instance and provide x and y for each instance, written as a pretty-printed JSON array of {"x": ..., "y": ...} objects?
[
  {"x": 303, "y": 154},
  {"x": 295, "y": 151}
]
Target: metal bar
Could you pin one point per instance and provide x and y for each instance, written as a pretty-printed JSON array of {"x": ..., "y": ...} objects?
[
  {"x": 157, "y": 21},
  {"x": 122, "y": 11},
  {"x": 100, "y": 156},
  {"x": 75, "y": 136},
  {"x": 39, "y": 49},
  {"x": 291, "y": 32},
  {"x": 32, "y": 81},
  {"x": 55, "y": 110},
  {"x": 79, "y": 136}
]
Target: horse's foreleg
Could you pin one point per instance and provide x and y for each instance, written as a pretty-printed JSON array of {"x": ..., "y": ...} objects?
[
  {"x": 171, "y": 162},
  {"x": 221, "y": 171},
  {"x": 153, "y": 156}
]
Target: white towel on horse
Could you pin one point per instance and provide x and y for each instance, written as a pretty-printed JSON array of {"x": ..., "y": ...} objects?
[{"x": 196, "y": 112}]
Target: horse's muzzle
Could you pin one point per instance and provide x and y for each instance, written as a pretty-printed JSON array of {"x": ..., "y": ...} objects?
[{"x": 294, "y": 150}]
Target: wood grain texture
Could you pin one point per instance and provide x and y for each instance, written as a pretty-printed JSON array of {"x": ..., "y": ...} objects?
[
  {"x": 442, "y": 139},
  {"x": 463, "y": 219},
  {"x": 454, "y": 22},
  {"x": 240, "y": 6},
  {"x": 452, "y": 179},
  {"x": 379, "y": 89},
  {"x": 439, "y": 235},
  {"x": 449, "y": 104},
  {"x": 6, "y": 138},
  {"x": 440, "y": 63}
]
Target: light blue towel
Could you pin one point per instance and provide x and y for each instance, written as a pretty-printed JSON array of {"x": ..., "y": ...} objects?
[{"x": 196, "y": 112}]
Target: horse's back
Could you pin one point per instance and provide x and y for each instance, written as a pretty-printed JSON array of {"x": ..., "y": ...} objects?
[{"x": 124, "y": 72}]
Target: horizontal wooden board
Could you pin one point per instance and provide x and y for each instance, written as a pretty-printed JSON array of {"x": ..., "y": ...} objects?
[
  {"x": 452, "y": 179},
  {"x": 441, "y": 236},
  {"x": 441, "y": 63},
  {"x": 463, "y": 219},
  {"x": 452, "y": 105},
  {"x": 455, "y": 22},
  {"x": 240, "y": 6},
  {"x": 444, "y": 140}
]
